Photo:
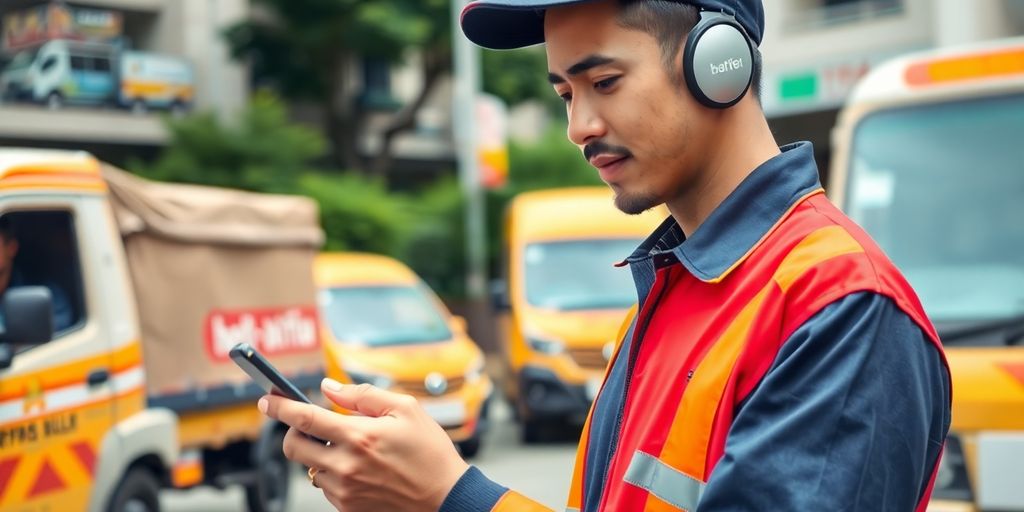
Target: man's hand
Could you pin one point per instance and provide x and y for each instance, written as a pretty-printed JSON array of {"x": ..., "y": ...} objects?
[{"x": 394, "y": 457}]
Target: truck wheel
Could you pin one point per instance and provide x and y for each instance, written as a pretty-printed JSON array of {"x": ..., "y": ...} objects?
[
  {"x": 139, "y": 491},
  {"x": 273, "y": 478}
]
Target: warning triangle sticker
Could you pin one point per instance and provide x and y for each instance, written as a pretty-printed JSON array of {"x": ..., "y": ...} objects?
[{"x": 47, "y": 481}]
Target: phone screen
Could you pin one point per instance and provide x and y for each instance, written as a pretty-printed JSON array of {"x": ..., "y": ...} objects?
[{"x": 264, "y": 373}]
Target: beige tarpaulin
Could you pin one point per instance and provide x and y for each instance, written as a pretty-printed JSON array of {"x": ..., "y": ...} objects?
[{"x": 212, "y": 267}]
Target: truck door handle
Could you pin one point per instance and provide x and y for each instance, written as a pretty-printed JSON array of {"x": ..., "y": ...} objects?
[{"x": 97, "y": 377}]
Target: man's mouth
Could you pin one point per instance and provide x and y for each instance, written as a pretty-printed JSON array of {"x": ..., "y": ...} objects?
[{"x": 603, "y": 161}]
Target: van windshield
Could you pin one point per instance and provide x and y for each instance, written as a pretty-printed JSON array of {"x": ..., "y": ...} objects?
[
  {"x": 941, "y": 189},
  {"x": 22, "y": 60},
  {"x": 579, "y": 275},
  {"x": 383, "y": 315}
]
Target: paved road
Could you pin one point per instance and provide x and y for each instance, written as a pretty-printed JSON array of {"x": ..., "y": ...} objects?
[{"x": 539, "y": 471}]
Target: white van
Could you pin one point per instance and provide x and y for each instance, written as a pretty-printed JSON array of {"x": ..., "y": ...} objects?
[{"x": 72, "y": 72}]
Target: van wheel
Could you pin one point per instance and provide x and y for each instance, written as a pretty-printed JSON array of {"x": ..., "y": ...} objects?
[
  {"x": 139, "y": 107},
  {"x": 178, "y": 108},
  {"x": 273, "y": 478},
  {"x": 139, "y": 491},
  {"x": 54, "y": 101}
]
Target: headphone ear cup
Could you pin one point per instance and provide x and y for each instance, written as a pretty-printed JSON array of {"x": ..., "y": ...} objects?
[{"x": 718, "y": 61}]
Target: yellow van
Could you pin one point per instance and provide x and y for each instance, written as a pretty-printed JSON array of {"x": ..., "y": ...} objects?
[
  {"x": 387, "y": 328},
  {"x": 566, "y": 299},
  {"x": 928, "y": 159}
]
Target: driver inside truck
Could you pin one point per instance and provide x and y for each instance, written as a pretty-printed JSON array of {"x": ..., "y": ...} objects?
[{"x": 12, "y": 276}]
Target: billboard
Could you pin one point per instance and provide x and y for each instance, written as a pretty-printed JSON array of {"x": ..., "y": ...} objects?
[{"x": 37, "y": 25}]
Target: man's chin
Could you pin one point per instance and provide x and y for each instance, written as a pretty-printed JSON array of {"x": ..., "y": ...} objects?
[{"x": 634, "y": 203}]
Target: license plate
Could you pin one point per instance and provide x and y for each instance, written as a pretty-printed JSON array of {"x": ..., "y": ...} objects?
[
  {"x": 447, "y": 413},
  {"x": 592, "y": 387}
]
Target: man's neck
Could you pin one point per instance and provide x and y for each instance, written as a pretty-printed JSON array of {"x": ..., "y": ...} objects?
[{"x": 750, "y": 144}]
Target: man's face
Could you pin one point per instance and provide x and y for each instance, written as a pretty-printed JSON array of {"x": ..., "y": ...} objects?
[{"x": 638, "y": 127}]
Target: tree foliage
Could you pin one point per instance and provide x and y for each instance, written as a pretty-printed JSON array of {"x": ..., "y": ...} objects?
[
  {"x": 518, "y": 76},
  {"x": 305, "y": 49}
]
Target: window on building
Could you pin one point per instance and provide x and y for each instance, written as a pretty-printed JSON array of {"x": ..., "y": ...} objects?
[
  {"x": 38, "y": 248},
  {"x": 814, "y": 14},
  {"x": 377, "y": 85}
]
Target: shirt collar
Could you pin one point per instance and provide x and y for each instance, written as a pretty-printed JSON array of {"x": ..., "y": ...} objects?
[{"x": 744, "y": 218}]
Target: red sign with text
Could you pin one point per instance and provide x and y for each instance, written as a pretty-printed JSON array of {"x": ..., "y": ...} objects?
[{"x": 280, "y": 331}]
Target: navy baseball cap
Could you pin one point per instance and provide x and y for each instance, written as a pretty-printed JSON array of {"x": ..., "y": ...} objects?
[{"x": 508, "y": 24}]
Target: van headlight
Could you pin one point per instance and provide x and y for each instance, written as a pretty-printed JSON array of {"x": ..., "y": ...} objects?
[
  {"x": 361, "y": 376},
  {"x": 476, "y": 370},
  {"x": 545, "y": 345}
]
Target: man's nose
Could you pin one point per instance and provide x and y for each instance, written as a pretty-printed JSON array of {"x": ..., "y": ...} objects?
[{"x": 585, "y": 124}]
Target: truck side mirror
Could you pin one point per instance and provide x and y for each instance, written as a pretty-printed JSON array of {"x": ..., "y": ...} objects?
[
  {"x": 499, "y": 295},
  {"x": 28, "y": 316}
]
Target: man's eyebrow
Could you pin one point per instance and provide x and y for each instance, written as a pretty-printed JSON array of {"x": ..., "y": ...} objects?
[{"x": 591, "y": 61}]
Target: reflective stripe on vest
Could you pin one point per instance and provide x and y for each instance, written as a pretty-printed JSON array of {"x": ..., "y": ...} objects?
[{"x": 668, "y": 484}]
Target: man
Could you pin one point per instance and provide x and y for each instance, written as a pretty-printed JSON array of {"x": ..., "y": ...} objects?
[
  {"x": 10, "y": 277},
  {"x": 776, "y": 361}
]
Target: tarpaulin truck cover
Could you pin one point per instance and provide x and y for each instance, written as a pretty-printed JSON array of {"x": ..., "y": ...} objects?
[{"x": 212, "y": 267}]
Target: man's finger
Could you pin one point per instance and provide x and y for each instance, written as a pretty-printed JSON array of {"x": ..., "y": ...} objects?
[
  {"x": 363, "y": 398},
  {"x": 310, "y": 419}
]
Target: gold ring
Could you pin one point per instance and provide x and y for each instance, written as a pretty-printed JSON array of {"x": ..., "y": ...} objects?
[{"x": 312, "y": 476}]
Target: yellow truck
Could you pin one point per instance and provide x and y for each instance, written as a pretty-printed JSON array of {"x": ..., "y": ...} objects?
[
  {"x": 928, "y": 158},
  {"x": 384, "y": 326},
  {"x": 121, "y": 299},
  {"x": 565, "y": 299}
]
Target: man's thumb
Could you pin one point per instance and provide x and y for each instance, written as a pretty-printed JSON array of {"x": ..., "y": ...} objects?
[{"x": 365, "y": 399}]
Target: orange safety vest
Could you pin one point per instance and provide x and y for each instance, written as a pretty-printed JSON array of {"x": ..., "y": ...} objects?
[{"x": 674, "y": 431}]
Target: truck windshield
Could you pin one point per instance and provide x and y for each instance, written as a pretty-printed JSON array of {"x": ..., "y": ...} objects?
[
  {"x": 579, "y": 275},
  {"x": 941, "y": 189},
  {"x": 383, "y": 315}
]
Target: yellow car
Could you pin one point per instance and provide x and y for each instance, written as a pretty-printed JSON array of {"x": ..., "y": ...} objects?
[
  {"x": 566, "y": 299},
  {"x": 387, "y": 328}
]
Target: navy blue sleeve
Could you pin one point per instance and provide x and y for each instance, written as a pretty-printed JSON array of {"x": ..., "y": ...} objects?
[
  {"x": 850, "y": 417},
  {"x": 474, "y": 492}
]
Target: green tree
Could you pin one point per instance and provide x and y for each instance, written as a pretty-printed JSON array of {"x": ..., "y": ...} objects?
[
  {"x": 263, "y": 152},
  {"x": 304, "y": 49},
  {"x": 519, "y": 76}
]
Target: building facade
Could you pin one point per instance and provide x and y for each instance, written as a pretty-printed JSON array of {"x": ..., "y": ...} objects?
[
  {"x": 185, "y": 30},
  {"x": 815, "y": 51}
]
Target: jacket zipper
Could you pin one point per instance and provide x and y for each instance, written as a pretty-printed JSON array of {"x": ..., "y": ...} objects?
[{"x": 634, "y": 353}]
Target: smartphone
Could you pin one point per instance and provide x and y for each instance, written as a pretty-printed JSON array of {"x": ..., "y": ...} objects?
[
  {"x": 264, "y": 373},
  {"x": 266, "y": 376}
]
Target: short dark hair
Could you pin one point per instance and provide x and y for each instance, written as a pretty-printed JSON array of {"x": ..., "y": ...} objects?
[{"x": 670, "y": 22}]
